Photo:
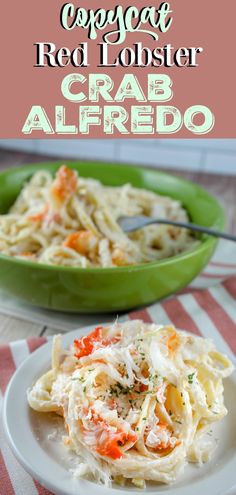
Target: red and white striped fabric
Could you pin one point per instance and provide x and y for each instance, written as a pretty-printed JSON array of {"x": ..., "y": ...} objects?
[
  {"x": 209, "y": 312},
  {"x": 221, "y": 266}
]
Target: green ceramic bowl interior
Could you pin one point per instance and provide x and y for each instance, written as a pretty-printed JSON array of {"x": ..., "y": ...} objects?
[{"x": 110, "y": 289}]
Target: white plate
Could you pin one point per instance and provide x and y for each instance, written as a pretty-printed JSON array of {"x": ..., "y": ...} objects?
[{"x": 48, "y": 461}]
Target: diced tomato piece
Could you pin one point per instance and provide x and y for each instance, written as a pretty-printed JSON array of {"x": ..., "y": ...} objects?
[
  {"x": 84, "y": 242},
  {"x": 38, "y": 217},
  {"x": 111, "y": 440},
  {"x": 65, "y": 183},
  {"x": 143, "y": 387},
  {"x": 110, "y": 449},
  {"x": 85, "y": 345},
  {"x": 110, "y": 446},
  {"x": 173, "y": 342}
]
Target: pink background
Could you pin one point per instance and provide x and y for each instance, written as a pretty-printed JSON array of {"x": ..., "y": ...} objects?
[{"x": 195, "y": 23}]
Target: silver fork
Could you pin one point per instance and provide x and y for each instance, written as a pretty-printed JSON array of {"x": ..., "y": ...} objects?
[{"x": 130, "y": 224}]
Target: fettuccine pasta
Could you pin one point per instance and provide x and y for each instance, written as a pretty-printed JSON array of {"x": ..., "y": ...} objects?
[
  {"x": 70, "y": 220},
  {"x": 137, "y": 400}
]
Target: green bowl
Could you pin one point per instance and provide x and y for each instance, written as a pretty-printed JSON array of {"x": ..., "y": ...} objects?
[{"x": 90, "y": 290}]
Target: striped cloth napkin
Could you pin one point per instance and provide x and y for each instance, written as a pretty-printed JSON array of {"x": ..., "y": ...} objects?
[{"x": 209, "y": 312}]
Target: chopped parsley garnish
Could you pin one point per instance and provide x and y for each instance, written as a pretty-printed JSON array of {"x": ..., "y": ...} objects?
[
  {"x": 152, "y": 377},
  {"x": 80, "y": 378},
  {"x": 190, "y": 377},
  {"x": 118, "y": 389}
]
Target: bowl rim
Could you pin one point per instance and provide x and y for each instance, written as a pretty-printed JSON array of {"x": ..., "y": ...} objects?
[{"x": 208, "y": 242}]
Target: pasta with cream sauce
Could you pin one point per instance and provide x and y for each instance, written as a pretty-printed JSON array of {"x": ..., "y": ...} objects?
[
  {"x": 70, "y": 220},
  {"x": 137, "y": 400}
]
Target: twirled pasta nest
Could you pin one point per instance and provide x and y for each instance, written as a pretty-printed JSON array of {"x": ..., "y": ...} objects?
[{"x": 137, "y": 400}]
